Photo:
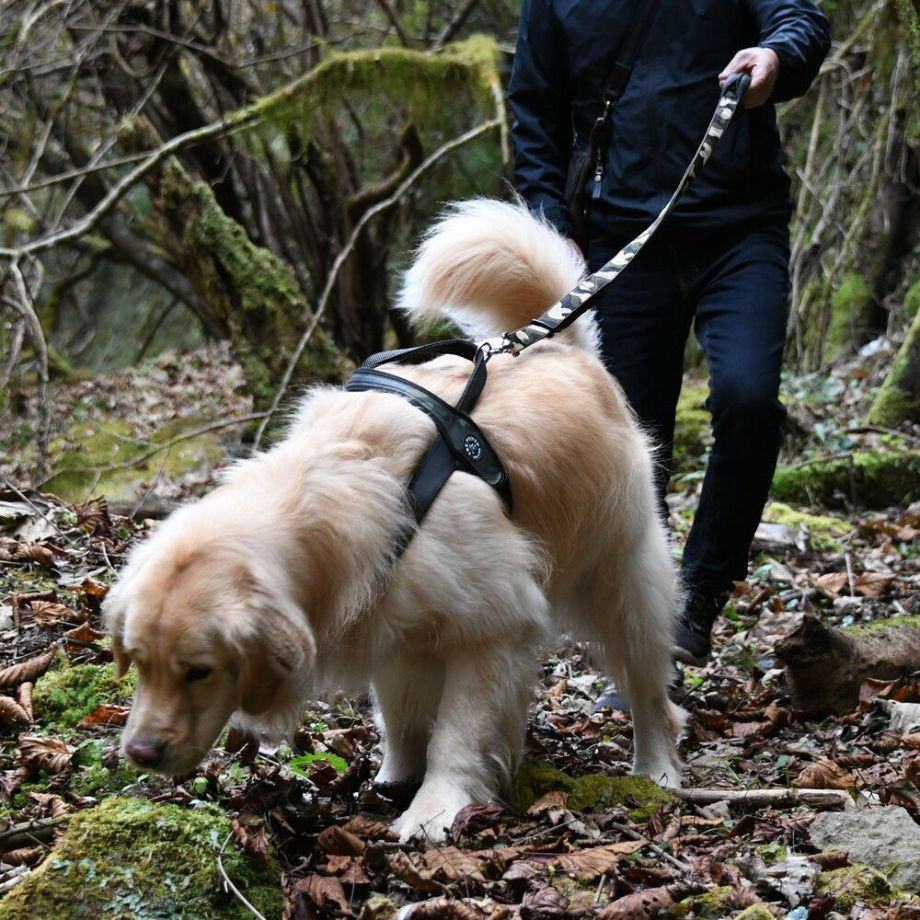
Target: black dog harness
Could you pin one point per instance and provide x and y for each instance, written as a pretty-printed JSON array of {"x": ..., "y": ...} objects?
[{"x": 460, "y": 445}]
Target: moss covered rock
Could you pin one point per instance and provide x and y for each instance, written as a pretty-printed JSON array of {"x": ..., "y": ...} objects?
[
  {"x": 65, "y": 697},
  {"x": 871, "y": 479},
  {"x": 755, "y": 912},
  {"x": 708, "y": 906},
  {"x": 593, "y": 792},
  {"x": 856, "y": 884},
  {"x": 822, "y": 530},
  {"x": 129, "y": 858},
  {"x": 108, "y": 458}
]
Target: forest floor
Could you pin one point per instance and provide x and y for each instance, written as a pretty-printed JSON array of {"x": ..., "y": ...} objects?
[{"x": 307, "y": 827}]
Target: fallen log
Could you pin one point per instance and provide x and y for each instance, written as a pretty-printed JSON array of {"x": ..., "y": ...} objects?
[
  {"x": 825, "y": 667},
  {"x": 775, "y": 798}
]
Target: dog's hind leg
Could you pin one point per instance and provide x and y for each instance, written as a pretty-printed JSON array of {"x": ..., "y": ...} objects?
[
  {"x": 407, "y": 692},
  {"x": 634, "y": 626},
  {"x": 477, "y": 737}
]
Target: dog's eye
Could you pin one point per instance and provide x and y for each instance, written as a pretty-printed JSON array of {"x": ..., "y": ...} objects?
[{"x": 193, "y": 674}]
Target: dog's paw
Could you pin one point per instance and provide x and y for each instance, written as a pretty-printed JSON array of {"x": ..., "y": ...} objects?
[
  {"x": 430, "y": 815},
  {"x": 665, "y": 775}
]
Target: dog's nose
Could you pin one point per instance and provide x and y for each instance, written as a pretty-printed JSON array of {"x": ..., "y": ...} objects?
[{"x": 146, "y": 752}]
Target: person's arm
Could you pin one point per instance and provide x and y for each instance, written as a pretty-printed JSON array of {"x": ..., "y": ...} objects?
[
  {"x": 542, "y": 127},
  {"x": 797, "y": 33}
]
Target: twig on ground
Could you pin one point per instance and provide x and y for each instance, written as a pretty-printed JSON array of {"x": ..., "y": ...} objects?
[
  {"x": 657, "y": 850},
  {"x": 817, "y": 798},
  {"x": 229, "y": 886}
]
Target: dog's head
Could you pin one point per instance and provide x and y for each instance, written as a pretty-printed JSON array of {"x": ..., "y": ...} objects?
[{"x": 212, "y": 630}]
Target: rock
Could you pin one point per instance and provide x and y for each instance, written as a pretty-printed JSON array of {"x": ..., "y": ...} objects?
[
  {"x": 903, "y": 717},
  {"x": 590, "y": 792},
  {"x": 129, "y": 858},
  {"x": 64, "y": 697},
  {"x": 884, "y": 838}
]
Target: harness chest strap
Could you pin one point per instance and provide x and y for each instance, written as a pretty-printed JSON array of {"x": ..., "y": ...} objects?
[{"x": 460, "y": 445}]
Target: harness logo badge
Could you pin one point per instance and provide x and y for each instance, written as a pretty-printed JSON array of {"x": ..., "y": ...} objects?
[{"x": 472, "y": 447}]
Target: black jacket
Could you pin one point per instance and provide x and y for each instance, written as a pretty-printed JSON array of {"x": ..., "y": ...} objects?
[{"x": 564, "y": 50}]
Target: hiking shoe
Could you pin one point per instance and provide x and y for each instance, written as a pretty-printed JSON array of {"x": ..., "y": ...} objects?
[{"x": 692, "y": 639}]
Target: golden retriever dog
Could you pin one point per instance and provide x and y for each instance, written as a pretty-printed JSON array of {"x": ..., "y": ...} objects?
[{"x": 282, "y": 583}]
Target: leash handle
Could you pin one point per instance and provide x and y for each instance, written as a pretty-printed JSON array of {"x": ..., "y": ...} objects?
[{"x": 568, "y": 308}]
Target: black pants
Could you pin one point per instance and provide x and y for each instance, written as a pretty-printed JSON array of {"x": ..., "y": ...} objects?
[{"x": 734, "y": 289}]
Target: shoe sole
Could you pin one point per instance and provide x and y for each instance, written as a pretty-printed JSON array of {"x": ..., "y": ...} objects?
[{"x": 683, "y": 656}]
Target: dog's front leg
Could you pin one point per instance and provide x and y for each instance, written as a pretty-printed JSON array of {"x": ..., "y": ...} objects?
[
  {"x": 407, "y": 691},
  {"x": 478, "y": 733}
]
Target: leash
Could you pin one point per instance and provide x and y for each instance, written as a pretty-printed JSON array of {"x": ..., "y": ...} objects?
[
  {"x": 568, "y": 308},
  {"x": 460, "y": 445}
]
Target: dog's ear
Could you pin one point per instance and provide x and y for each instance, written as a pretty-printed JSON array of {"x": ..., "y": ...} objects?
[
  {"x": 275, "y": 652},
  {"x": 113, "y": 616}
]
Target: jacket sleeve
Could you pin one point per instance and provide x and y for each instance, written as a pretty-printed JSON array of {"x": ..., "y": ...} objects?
[
  {"x": 798, "y": 31},
  {"x": 542, "y": 127}
]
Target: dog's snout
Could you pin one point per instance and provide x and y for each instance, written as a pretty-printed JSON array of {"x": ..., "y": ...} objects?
[{"x": 146, "y": 752}]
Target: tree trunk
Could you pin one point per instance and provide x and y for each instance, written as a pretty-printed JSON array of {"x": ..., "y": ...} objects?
[
  {"x": 825, "y": 667},
  {"x": 249, "y": 294},
  {"x": 898, "y": 400}
]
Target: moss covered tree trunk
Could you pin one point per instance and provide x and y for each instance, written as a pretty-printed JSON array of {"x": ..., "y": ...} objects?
[
  {"x": 898, "y": 399},
  {"x": 249, "y": 295}
]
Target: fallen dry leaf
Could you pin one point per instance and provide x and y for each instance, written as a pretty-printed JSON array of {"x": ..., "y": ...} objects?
[
  {"x": 473, "y": 819},
  {"x": 47, "y": 613},
  {"x": 107, "y": 714},
  {"x": 25, "y": 670},
  {"x": 832, "y": 584},
  {"x": 24, "y": 856},
  {"x": 824, "y": 774},
  {"x": 872, "y": 584},
  {"x": 448, "y": 864},
  {"x": 32, "y": 552},
  {"x": 24, "y": 695},
  {"x": 402, "y": 867},
  {"x": 557, "y": 799},
  {"x": 45, "y": 753},
  {"x": 545, "y": 902},
  {"x": 12, "y": 711},
  {"x": 324, "y": 891},
  {"x": 593, "y": 862},
  {"x": 251, "y": 836},
  {"x": 638, "y": 906},
  {"x": 338, "y": 841}
]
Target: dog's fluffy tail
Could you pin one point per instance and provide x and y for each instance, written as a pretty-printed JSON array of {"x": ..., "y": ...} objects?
[{"x": 490, "y": 266}]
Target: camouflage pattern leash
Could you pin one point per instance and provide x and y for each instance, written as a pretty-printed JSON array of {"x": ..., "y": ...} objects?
[{"x": 566, "y": 310}]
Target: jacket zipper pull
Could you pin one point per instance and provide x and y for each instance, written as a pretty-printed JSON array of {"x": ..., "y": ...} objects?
[{"x": 598, "y": 180}]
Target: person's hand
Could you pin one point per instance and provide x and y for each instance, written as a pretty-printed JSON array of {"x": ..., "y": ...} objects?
[{"x": 763, "y": 66}]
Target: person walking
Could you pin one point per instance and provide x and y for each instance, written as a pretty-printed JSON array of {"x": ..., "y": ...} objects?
[{"x": 719, "y": 263}]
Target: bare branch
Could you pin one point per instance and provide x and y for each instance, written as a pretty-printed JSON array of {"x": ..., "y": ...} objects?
[{"x": 368, "y": 215}]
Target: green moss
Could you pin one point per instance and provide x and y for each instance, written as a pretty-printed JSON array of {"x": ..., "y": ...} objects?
[
  {"x": 129, "y": 858},
  {"x": 755, "y": 912},
  {"x": 592, "y": 792},
  {"x": 65, "y": 697},
  {"x": 821, "y": 528},
  {"x": 850, "y": 306},
  {"x": 708, "y": 906},
  {"x": 912, "y": 300},
  {"x": 898, "y": 399},
  {"x": 856, "y": 884},
  {"x": 579, "y": 895},
  {"x": 873, "y": 479},
  {"x": 253, "y": 295},
  {"x": 875, "y": 627},
  {"x": 417, "y": 79},
  {"x": 693, "y": 430},
  {"x": 772, "y": 853},
  {"x": 82, "y": 460}
]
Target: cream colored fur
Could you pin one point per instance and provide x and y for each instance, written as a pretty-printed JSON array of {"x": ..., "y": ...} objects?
[{"x": 282, "y": 580}]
